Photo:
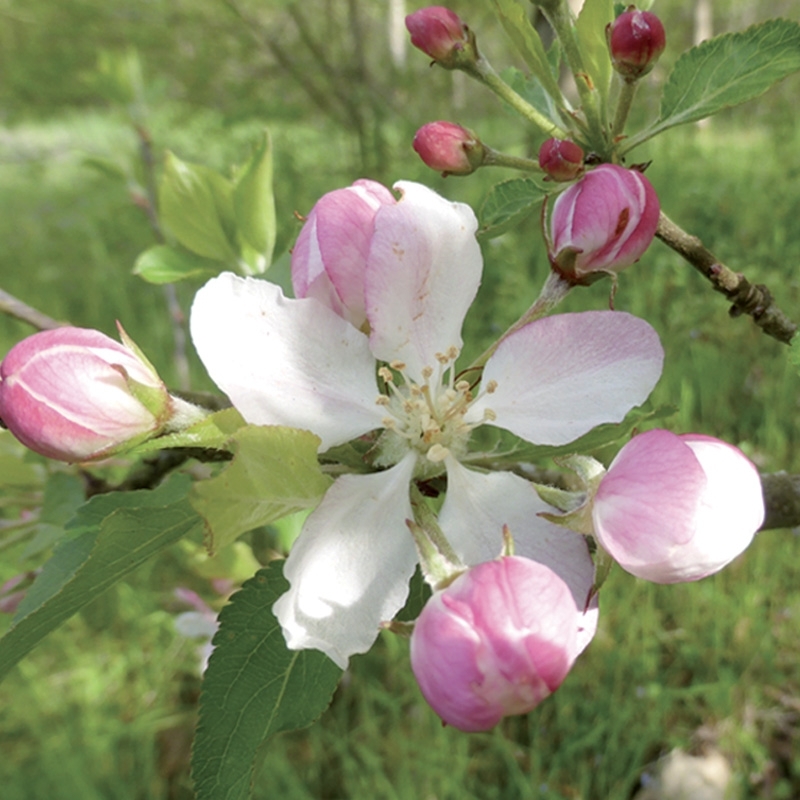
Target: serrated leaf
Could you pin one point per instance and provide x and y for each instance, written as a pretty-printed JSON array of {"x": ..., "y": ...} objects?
[
  {"x": 274, "y": 472},
  {"x": 110, "y": 536},
  {"x": 591, "y": 32},
  {"x": 507, "y": 204},
  {"x": 196, "y": 204},
  {"x": 254, "y": 687},
  {"x": 254, "y": 202},
  {"x": 724, "y": 72},
  {"x": 531, "y": 90},
  {"x": 64, "y": 494},
  {"x": 213, "y": 432},
  {"x": 165, "y": 264},
  {"x": 528, "y": 43}
]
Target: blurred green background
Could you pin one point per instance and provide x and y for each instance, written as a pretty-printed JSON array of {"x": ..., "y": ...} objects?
[{"x": 105, "y": 708}]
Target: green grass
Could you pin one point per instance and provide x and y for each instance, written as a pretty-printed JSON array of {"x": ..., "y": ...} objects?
[{"x": 84, "y": 716}]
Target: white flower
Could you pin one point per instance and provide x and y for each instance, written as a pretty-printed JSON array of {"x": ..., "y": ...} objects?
[{"x": 297, "y": 363}]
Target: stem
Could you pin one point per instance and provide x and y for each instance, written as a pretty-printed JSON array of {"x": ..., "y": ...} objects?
[
  {"x": 754, "y": 300},
  {"x": 555, "y": 289},
  {"x": 624, "y": 101},
  {"x": 493, "y": 158},
  {"x": 484, "y": 72},
  {"x": 22, "y": 311}
]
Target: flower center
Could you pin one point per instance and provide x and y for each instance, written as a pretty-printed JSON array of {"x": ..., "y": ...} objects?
[{"x": 429, "y": 417}]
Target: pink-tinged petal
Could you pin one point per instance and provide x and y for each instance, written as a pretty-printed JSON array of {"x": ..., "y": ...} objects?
[
  {"x": 285, "y": 362},
  {"x": 349, "y": 569},
  {"x": 423, "y": 273},
  {"x": 559, "y": 377},
  {"x": 677, "y": 508},
  {"x": 476, "y": 508},
  {"x": 330, "y": 255}
]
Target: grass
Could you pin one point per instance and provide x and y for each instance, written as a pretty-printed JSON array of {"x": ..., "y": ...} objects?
[{"x": 102, "y": 708}]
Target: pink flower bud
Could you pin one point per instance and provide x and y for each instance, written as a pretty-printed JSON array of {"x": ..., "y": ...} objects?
[
  {"x": 636, "y": 39},
  {"x": 561, "y": 160},
  {"x": 75, "y": 395},
  {"x": 602, "y": 223},
  {"x": 330, "y": 255},
  {"x": 438, "y": 32},
  {"x": 677, "y": 508},
  {"x": 495, "y": 642},
  {"x": 449, "y": 148}
]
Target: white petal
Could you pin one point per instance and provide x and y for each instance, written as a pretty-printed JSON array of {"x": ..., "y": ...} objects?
[
  {"x": 559, "y": 377},
  {"x": 285, "y": 362},
  {"x": 423, "y": 272},
  {"x": 478, "y": 505},
  {"x": 349, "y": 569}
]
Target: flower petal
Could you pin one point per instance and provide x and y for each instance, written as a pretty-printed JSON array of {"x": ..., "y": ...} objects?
[
  {"x": 285, "y": 362},
  {"x": 478, "y": 505},
  {"x": 423, "y": 272},
  {"x": 559, "y": 377},
  {"x": 349, "y": 569}
]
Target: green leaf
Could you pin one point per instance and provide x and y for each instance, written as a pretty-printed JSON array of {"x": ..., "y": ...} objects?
[
  {"x": 274, "y": 473},
  {"x": 165, "y": 264},
  {"x": 214, "y": 432},
  {"x": 196, "y": 204},
  {"x": 110, "y": 536},
  {"x": 64, "y": 494},
  {"x": 526, "y": 39},
  {"x": 532, "y": 91},
  {"x": 507, "y": 204},
  {"x": 254, "y": 687},
  {"x": 726, "y": 71},
  {"x": 254, "y": 202},
  {"x": 591, "y": 31}
]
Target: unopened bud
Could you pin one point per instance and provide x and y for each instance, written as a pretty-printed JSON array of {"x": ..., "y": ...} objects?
[
  {"x": 562, "y": 160},
  {"x": 635, "y": 39},
  {"x": 441, "y": 34},
  {"x": 448, "y": 148}
]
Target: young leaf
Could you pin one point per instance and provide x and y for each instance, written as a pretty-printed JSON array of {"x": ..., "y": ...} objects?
[
  {"x": 507, "y": 204},
  {"x": 196, "y": 204},
  {"x": 532, "y": 91},
  {"x": 165, "y": 264},
  {"x": 254, "y": 202},
  {"x": 591, "y": 31},
  {"x": 214, "y": 432},
  {"x": 109, "y": 537},
  {"x": 253, "y": 688},
  {"x": 726, "y": 71},
  {"x": 274, "y": 473},
  {"x": 526, "y": 39}
]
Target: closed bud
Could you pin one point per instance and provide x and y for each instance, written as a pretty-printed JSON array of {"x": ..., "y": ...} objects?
[
  {"x": 74, "y": 394},
  {"x": 330, "y": 255},
  {"x": 636, "y": 39},
  {"x": 677, "y": 508},
  {"x": 562, "y": 160},
  {"x": 496, "y": 642},
  {"x": 440, "y": 34},
  {"x": 602, "y": 224},
  {"x": 448, "y": 148}
]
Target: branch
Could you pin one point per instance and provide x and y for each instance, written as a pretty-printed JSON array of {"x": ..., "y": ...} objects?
[
  {"x": 22, "y": 311},
  {"x": 753, "y": 300}
]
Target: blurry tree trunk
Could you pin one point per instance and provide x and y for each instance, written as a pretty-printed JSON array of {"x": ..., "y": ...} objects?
[{"x": 397, "y": 32}]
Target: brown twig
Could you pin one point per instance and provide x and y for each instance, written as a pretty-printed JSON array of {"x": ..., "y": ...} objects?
[
  {"x": 755, "y": 300},
  {"x": 16, "y": 308}
]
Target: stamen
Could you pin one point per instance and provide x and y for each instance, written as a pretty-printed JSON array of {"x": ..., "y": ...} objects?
[{"x": 437, "y": 453}]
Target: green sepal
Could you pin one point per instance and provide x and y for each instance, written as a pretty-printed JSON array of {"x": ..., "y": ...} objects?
[{"x": 254, "y": 205}]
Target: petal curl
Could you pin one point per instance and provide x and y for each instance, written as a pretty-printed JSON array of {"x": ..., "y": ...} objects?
[
  {"x": 560, "y": 376},
  {"x": 349, "y": 569},
  {"x": 476, "y": 508},
  {"x": 423, "y": 272},
  {"x": 285, "y": 362}
]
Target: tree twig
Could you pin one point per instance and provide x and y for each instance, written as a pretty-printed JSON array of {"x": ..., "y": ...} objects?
[
  {"x": 22, "y": 311},
  {"x": 755, "y": 300}
]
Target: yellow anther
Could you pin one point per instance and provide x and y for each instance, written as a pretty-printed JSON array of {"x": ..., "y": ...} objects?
[
  {"x": 491, "y": 386},
  {"x": 427, "y": 372},
  {"x": 399, "y": 366},
  {"x": 437, "y": 453},
  {"x": 386, "y": 374},
  {"x": 382, "y": 400}
]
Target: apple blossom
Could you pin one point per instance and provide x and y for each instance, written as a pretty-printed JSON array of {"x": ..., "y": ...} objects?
[
  {"x": 497, "y": 641},
  {"x": 295, "y": 362},
  {"x": 449, "y": 148},
  {"x": 74, "y": 394},
  {"x": 635, "y": 40},
  {"x": 561, "y": 159},
  {"x": 677, "y": 508},
  {"x": 603, "y": 223},
  {"x": 438, "y": 32},
  {"x": 329, "y": 257}
]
